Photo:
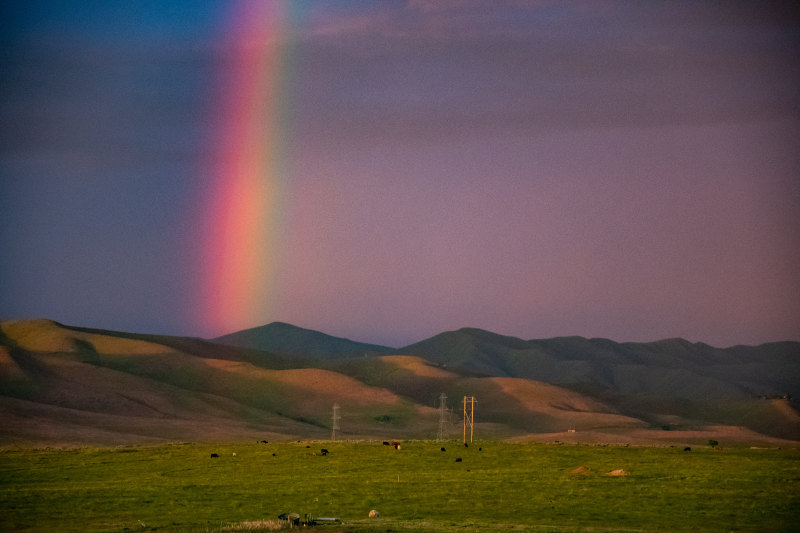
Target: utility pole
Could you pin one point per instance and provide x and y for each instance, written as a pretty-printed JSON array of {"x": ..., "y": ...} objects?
[
  {"x": 469, "y": 417},
  {"x": 335, "y": 421},
  {"x": 442, "y": 415}
]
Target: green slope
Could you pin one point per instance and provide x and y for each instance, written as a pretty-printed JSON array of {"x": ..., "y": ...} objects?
[{"x": 285, "y": 338}]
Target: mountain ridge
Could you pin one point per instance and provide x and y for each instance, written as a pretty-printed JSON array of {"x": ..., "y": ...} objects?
[
  {"x": 288, "y": 339},
  {"x": 72, "y": 385}
]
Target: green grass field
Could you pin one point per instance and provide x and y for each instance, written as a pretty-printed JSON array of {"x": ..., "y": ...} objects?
[{"x": 501, "y": 487}]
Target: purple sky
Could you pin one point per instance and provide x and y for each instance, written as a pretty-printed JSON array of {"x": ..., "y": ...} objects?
[{"x": 628, "y": 170}]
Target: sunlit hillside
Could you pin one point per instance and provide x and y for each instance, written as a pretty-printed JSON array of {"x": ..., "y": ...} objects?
[{"x": 62, "y": 385}]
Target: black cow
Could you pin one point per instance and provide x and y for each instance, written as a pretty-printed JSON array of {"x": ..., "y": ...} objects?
[
  {"x": 385, "y": 443},
  {"x": 213, "y": 455},
  {"x": 458, "y": 460},
  {"x": 292, "y": 518},
  {"x": 444, "y": 450},
  {"x": 687, "y": 449},
  {"x": 324, "y": 451}
]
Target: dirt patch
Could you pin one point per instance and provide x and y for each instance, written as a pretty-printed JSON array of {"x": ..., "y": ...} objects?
[{"x": 620, "y": 436}]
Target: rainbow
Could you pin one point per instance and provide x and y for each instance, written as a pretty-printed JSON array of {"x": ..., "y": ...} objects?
[{"x": 243, "y": 219}]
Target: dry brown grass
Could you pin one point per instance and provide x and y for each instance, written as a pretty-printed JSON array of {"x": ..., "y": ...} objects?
[
  {"x": 580, "y": 471},
  {"x": 727, "y": 435},
  {"x": 49, "y": 336},
  {"x": 8, "y": 367},
  {"x": 417, "y": 366},
  {"x": 783, "y": 407},
  {"x": 536, "y": 395},
  {"x": 318, "y": 382},
  {"x": 61, "y": 392},
  {"x": 256, "y": 525}
]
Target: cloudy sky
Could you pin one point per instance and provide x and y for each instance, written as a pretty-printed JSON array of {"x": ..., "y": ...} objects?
[{"x": 628, "y": 170}]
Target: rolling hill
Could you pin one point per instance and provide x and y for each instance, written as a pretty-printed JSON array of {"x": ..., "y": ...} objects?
[
  {"x": 283, "y": 338},
  {"x": 670, "y": 383},
  {"x": 672, "y": 366},
  {"x": 64, "y": 385}
]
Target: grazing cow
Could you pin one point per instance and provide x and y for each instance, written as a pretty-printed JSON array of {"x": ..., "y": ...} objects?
[
  {"x": 687, "y": 449},
  {"x": 385, "y": 443},
  {"x": 395, "y": 443},
  {"x": 466, "y": 445},
  {"x": 324, "y": 451},
  {"x": 274, "y": 455},
  {"x": 214, "y": 455},
  {"x": 458, "y": 460},
  {"x": 292, "y": 518},
  {"x": 234, "y": 454},
  {"x": 264, "y": 442},
  {"x": 444, "y": 450}
]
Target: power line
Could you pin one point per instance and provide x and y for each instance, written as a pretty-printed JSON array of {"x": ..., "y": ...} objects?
[
  {"x": 442, "y": 415},
  {"x": 469, "y": 417},
  {"x": 335, "y": 421}
]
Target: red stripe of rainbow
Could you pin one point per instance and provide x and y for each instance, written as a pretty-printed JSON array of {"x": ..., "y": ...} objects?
[{"x": 243, "y": 222}]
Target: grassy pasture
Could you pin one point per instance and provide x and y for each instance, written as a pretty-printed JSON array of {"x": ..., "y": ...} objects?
[{"x": 502, "y": 487}]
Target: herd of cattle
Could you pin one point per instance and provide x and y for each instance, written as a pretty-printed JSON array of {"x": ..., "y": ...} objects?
[{"x": 323, "y": 451}]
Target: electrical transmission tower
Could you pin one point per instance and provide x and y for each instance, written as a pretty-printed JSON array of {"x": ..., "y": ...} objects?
[
  {"x": 442, "y": 415},
  {"x": 469, "y": 417},
  {"x": 335, "y": 421}
]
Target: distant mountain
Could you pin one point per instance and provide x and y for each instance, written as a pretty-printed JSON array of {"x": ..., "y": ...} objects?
[
  {"x": 661, "y": 382},
  {"x": 672, "y": 366},
  {"x": 68, "y": 385},
  {"x": 283, "y": 338}
]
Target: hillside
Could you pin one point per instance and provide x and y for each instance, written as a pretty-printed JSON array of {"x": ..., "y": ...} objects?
[
  {"x": 672, "y": 366},
  {"x": 282, "y": 338},
  {"x": 71, "y": 386},
  {"x": 670, "y": 383}
]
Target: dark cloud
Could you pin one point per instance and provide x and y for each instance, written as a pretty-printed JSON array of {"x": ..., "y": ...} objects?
[{"x": 532, "y": 68}]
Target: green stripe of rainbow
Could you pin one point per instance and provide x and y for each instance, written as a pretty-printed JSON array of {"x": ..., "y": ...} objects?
[{"x": 244, "y": 221}]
